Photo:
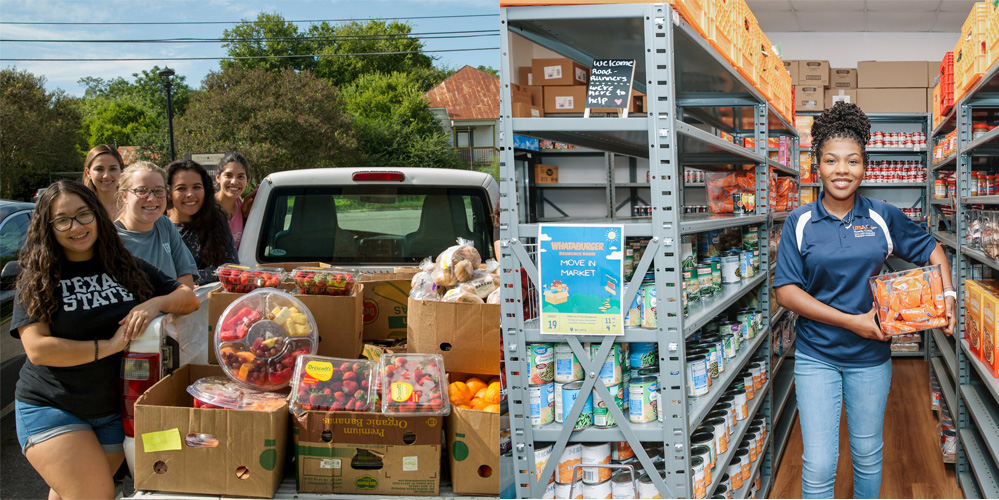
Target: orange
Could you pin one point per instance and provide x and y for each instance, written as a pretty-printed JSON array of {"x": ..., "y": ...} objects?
[
  {"x": 492, "y": 408},
  {"x": 458, "y": 393},
  {"x": 474, "y": 384},
  {"x": 495, "y": 379},
  {"x": 492, "y": 394},
  {"x": 481, "y": 393},
  {"x": 480, "y": 405},
  {"x": 465, "y": 407}
]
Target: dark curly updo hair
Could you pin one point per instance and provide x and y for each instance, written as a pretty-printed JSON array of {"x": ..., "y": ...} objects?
[{"x": 842, "y": 121}]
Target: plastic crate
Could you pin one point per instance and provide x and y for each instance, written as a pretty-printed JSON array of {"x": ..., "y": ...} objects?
[
  {"x": 722, "y": 35},
  {"x": 695, "y": 12},
  {"x": 992, "y": 38},
  {"x": 937, "y": 103},
  {"x": 746, "y": 21},
  {"x": 973, "y": 60}
]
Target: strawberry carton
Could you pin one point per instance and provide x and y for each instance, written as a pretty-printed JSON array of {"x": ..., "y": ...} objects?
[
  {"x": 243, "y": 279},
  {"x": 324, "y": 281},
  {"x": 222, "y": 393},
  {"x": 260, "y": 335},
  {"x": 413, "y": 384},
  {"x": 321, "y": 383}
]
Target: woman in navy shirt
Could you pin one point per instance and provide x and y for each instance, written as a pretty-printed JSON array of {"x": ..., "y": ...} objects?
[{"x": 828, "y": 251}]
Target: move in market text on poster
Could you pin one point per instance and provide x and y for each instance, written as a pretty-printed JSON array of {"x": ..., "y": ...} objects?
[{"x": 581, "y": 269}]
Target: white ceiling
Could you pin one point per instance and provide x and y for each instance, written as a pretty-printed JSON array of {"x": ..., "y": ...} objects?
[{"x": 889, "y": 16}]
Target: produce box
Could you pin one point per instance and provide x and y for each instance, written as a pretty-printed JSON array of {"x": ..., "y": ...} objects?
[
  {"x": 473, "y": 447},
  {"x": 386, "y": 298},
  {"x": 338, "y": 319},
  {"x": 367, "y": 453},
  {"x": 466, "y": 335},
  {"x": 182, "y": 449},
  {"x": 559, "y": 71}
]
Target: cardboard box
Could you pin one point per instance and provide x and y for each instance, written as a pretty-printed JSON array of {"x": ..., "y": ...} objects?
[
  {"x": 835, "y": 95},
  {"x": 558, "y": 71},
  {"x": 792, "y": 68},
  {"x": 973, "y": 316},
  {"x": 520, "y": 94},
  {"x": 932, "y": 72},
  {"x": 810, "y": 98},
  {"x": 524, "y": 76},
  {"x": 466, "y": 335},
  {"x": 929, "y": 100},
  {"x": 636, "y": 104},
  {"x": 813, "y": 73},
  {"x": 892, "y": 100},
  {"x": 990, "y": 331},
  {"x": 337, "y": 318},
  {"x": 367, "y": 453},
  {"x": 546, "y": 174},
  {"x": 892, "y": 74},
  {"x": 248, "y": 460},
  {"x": 525, "y": 110},
  {"x": 473, "y": 451},
  {"x": 843, "y": 78},
  {"x": 565, "y": 99},
  {"x": 386, "y": 299}
]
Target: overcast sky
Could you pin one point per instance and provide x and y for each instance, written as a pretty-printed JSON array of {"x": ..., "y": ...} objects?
[{"x": 64, "y": 75}]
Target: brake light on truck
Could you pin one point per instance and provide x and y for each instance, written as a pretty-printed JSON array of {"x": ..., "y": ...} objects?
[
  {"x": 378, "y": 176},
  {"x": 139, "y": 371}
]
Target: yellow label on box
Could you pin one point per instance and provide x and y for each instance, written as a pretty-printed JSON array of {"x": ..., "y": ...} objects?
[
  {"x": 401, "y": 391},
  {"x": 168, "y": 440},
  {"x": 321, "y": 370}
]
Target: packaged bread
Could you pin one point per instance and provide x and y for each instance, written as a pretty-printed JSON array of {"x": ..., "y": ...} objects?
[
  {"x": 423, "y": 286},
  {"x": 494, "y": 297},
  {"x": 463, "y": 293},
  {"x": 484, "y": 283},
  {"x": 457, "y": 264}
]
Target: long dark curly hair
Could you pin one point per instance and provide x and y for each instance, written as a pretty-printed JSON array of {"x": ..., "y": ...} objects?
[
  {"x": 844, "y": 120},
  {"x": 42, "y": 260},
  {"x": 209, "y": 223}
]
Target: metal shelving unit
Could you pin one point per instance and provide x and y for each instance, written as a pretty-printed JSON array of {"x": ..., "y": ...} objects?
[
  {"x": 693, "y": 96},
  {"x": 971, "y": 391}
]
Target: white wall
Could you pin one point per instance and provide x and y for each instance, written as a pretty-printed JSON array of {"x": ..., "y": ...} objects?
[{"x": 843, "y": 50}]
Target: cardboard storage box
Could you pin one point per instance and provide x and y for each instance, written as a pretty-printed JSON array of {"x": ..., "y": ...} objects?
[
  {"x": 386, "y": 298},
  {"x": 558, "y": 71},
  {"x": 892, "y": 100},
  {"x": 892, "y": 74},
  {"x": 533, "y": 95},
  {"x": 473, "y": 451},
  {"x": 845, "y": 95},
  {"x": 792, "y": 68},
  {"x": 524, "y": 76},
  {"x": 809, "y": 98},
  {"x": 337, "y": 318},
  {"x": 932, "y": 72},
  {"x": 525, "y": 110},
  {"x": 990, "y": 332},
  {"x": 565, "y": 99},
  {"x": 367, "y": 453},
  {"x": 929, "y": 100},
  {"x": 466, "y": 335},
  {"x": 247, "y": 461},
  {"x": 546, "y": 174},
  {"x": 843, "y": 78},
  {"x": 813, "y": 73},
  {"x": 636, "y": 104}
]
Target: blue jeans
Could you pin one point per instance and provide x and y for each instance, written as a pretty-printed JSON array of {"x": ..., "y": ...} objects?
[
  {"x": 821, "y": 389},
  {"x": 40, "y": 423}
]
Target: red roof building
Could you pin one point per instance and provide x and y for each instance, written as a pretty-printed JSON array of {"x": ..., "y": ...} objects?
[{"x": 468, "y": 105}]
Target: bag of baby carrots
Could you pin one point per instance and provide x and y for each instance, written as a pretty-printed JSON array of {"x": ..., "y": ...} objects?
[{"x": 909, "y": 301}]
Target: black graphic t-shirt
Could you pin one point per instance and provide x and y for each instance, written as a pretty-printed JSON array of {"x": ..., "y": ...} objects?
[{"x": 91, "y": 303}]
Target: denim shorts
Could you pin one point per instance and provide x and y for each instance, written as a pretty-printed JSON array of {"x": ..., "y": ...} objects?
[{"x": 39, "y": 423}]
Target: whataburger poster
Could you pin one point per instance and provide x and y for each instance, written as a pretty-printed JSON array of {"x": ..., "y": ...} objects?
[{"x": 581, "y": 268}]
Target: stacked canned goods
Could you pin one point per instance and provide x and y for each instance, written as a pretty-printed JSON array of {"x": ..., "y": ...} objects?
[
  {"x": 641, "y": 211},
  {"x": 695, "y": 209},
  {"x": 693, "y": 176},
  {"x": 912, "y": 171},
  {"x": 897, "y": 140}
]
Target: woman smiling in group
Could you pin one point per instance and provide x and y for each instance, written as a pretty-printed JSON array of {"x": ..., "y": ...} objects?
[
  {"x": 233, "y": 176},
  {"x": 200, "y": 221},
  {"x": 828, "y": 250},
  {"x": 146, "y": 232},
  {"x": 101, "y": 171}
]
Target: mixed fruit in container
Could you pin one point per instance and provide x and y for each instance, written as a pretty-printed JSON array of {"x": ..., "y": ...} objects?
[{"x": 242, "y": 279}]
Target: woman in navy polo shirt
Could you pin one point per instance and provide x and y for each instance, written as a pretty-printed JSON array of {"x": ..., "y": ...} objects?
[{"x": 828, "y": 250}]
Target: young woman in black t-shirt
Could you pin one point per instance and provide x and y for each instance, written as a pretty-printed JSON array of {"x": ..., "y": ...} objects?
[{"x": 81, "y": 297}]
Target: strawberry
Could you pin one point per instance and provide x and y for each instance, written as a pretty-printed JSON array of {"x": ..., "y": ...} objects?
[
  {"x": 339, "y": 396},
  {"x": 315, "y": 399},
  {"x": 349, "y": 386},
  {"x": 345, "y": 367},
  {"x": 408, "y": 407},
  {"x": 327, "y": 392},
  {"x": 417, "y": 374},
  {"x": 364, "y": 384},
  {"x": 400, "y": 362},
  {"x": 350, "y": 376}
]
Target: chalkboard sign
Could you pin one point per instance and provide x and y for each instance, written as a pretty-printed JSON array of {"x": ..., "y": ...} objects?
[{"x": 610, "y": 84}]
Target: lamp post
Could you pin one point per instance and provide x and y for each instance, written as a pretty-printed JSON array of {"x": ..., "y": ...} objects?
[{"x": 166, "y": 73}]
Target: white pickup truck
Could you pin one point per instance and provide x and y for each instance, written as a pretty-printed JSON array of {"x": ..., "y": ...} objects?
[{"x": 371, "y": 219}]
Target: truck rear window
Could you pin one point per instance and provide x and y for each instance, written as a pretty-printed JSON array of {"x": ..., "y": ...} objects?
[{"x": 372, "y": 224}]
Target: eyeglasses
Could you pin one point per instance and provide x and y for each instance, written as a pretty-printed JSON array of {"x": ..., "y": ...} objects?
[
  {"x": 144, "y": 192},
  {"x": 64, "y": 223}
]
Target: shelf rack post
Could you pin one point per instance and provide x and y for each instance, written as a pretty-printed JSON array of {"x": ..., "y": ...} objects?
[{"x": 963, "y": 174}]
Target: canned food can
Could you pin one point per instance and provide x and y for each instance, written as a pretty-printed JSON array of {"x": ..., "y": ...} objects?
[
  {"x": 541, "y": 363},
  {"x": 542, "y": 404},
  {"x": 697, "y": 477},
  {"x": 643, "y": 355},
  {"x": 720, "y": 412},
  {"x": 633, "y": 316},
  {"x": 565, "y": 490},
  {"x": 722, "y": 491},
  {"x": 730, "y": 267},
  {"x": 716, "y": 274},
  {"x": 720, "y": 434},
  {"x": 757, "y": 372},
  {"x": 704, "y": 453},
  {"x": 735, "y": 473},
  {"x": 747, "y": 322},
  {"x": 762, "y": 424},
  {"x": 727, "y": 403},
  {"x": 730, "y": 346},
  {"x": 621, "y": 450},
  {"x": 643, "y": 400},
  {"x": 751, "y": 237},
  {"x": 719, "y": 349},
  {"x": 692, "y": 284},
  {"x": 549, "y": 491},
  {"x": 542, "y": 452},
  {"x": 746, "y": 264},
  {"x": 750, "y": 442},
  {"x": 567, "y": 366},
  {"x": 737, "y": 206},
  {"x": 648, "y": 290},
  {"x": 747, "y": 384},
  {"x": 558, "y": 401},
  {"x": 646, "y": 488},
  {"x": 726, "y": 481},
  {"x": 705, "y": 436},
  {"x": 623, "y": 484},
  {"x": 570, "y": 392},
  {"x": 570, "y": 459},
  {"x": 602, "y": 416},
  {"x": 742, "y": 455},
  {"x": 712, "y": 360},
  {"x": 756, "y": 262},
  {"x": 755, "y": 431},
  {"x": 741, "y": 404},
  {"x": 596, "y": 454},
  {"x": 705, "y": 280},
  {"x": 610, "y": 371},
  {"x": 697, "y": 376},
  {"x": 729, "y": 328}
]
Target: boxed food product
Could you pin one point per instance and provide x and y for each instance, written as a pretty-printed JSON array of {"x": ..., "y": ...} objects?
[
  {"x": 559, "y": 71},
  {"x": 259, "y": 336},
  {"x": 324, "y": 281},
  {"x": 809, "y": 97},
  {"x": 814, "y": 73},
  {"x": 836, "y": 95},
  {"x": 473, "y": 434},
  {"x": 910, "y": 301},
  {"x": 367, "y": 453},
  {"x": 413, "y": 384},
  {"x": 524, "y": 75},
  {"x": 222, "y": 393},
  {"x": 386, "y": 300},
  {"x": 990, "y": 331},
  {"x": 526, "y": 110},
  {"x": 321, "y": 383},
  {"x": 243, "y": 279},
  {"x": 565, "y": 99},
  {"x": 892, "y": 74},
  {"x": 546, "y": 174},
  {"x": 892, "y": 100},
  {"x": 973, "y": 316},
  {"x": 792, "y": 69},
  {"x": 843, "y": 78},
  {"x": 182, "y": 449}
]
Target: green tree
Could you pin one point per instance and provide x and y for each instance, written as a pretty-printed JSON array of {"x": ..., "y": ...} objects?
[
  {"x": 395, "y": 124},
  {"x": 117, "y": 121},
  {"x": 390, "y": 43},
  {"x": 268, "y": 35},
  {"x": 280, "y": 120},
  {"x": 39, "y": 134}
]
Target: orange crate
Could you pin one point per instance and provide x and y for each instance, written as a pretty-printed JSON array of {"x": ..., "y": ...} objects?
[
  {"x": 723, "y": 35},
  {"x": 959, "y": 62},
  {"x": 695, "y": 12},
  {"x": 992, "y": 38},
  {"x": 746, "y": 21},
  {"x": 974, "y": 61},
  {"x": 937, "y": 103}
]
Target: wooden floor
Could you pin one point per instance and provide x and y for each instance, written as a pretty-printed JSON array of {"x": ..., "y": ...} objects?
[{"x": 912, "y": 464}]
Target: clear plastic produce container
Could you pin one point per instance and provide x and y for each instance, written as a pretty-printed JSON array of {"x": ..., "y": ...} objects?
[
  {"x": 222, "y": 393},
  {"x": 413, "y": 384},
  {"x": 324, "y": 281},
  {"x": 321, "y": 383},
  {"x": 243, "y": 279}
]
